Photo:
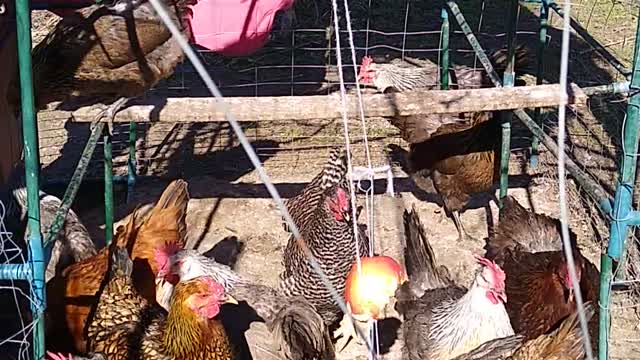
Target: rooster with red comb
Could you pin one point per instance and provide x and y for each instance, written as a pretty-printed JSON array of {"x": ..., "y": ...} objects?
[{"x": 442, "y": 320}]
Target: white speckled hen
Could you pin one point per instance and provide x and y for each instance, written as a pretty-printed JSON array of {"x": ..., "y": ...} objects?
[
  {"x": 322, "y": 213},
  {"x": 443, "y": 320}
]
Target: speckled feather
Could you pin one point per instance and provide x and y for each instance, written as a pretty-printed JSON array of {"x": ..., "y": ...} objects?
[
  {"x": 126, "y": 326},
  {"x": 72, "y": 294},
  {"x": 331, "y": 242},
  {"x": 442, "y": 320}
]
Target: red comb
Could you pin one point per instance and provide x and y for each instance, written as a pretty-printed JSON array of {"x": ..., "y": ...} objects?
[
  {"x": 499, "y": 274},
  {"x": 367, "y": 60},
  {"x": 213, "y": 286}
]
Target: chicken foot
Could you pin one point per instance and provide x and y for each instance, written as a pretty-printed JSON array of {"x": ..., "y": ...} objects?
[
  {"x": 350, "y": 330},
  {"x": 462, "y": 233},
  {"x": 110, "y": 111}
]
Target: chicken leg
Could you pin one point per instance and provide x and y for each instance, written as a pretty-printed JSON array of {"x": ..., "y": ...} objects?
[
  {"x": 110, "y": 111},
  {"x": 349, "y": 330},
  {"x": 462, "y": 233}
]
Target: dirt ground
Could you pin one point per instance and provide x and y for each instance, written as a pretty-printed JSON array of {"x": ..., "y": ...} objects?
[{"x": 242, "y": 208}]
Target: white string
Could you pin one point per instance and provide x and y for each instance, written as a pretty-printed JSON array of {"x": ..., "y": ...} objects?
[
  {"x": 343, "y": 100},
  {"x": 564, "y": 217},
  {"x": 204, "y": 75}
]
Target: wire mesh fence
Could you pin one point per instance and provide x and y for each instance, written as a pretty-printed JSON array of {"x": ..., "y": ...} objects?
[{"x": 301, "y": 61}]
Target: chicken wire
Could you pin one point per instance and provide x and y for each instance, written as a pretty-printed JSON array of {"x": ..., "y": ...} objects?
[
  {"x": 593, "y": 139},
  {"x": 299, "y": 61},
  {"x": 302, "y": 62},
  {"x": 15, "y": 298}
]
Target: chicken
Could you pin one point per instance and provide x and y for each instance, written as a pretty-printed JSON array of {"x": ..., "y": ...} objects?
[
  {"x": 414, "y": 74},
  {"x": 460, "y": 160},
  {"x": 126, "y": 326},
  {"x": 95, "y": 53},
  {"x": 458, "y": 157},
  {"x": 72, "y": 294},
  {"x": 528, "y": 246},
  {"x": 563, "y": 343},
  {"x": 443, "y": 320},
  {"x": 73, "y": 242},
  {"x": 322, "y": 212},
  {"x": 297, "y": 329}
]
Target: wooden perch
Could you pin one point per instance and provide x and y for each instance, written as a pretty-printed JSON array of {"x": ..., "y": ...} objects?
[{"x": 329, "y": 106}]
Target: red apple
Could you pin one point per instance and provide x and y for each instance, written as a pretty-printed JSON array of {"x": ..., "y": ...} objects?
[{"x": 368, "y": 291}]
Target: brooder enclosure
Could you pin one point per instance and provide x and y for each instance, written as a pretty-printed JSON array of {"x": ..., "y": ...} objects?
[{"x": 287, "y": 98}]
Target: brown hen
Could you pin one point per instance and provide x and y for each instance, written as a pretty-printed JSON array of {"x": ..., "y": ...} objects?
[
  {"x": 112, "y": 53},
  {"x": 72, "y": 294},
  {"x": 528, "y": 246},
  {"x": 458, "y": 157},
  {"x": 128, "y": 327}
]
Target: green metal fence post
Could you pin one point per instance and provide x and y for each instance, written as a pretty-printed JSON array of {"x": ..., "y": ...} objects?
[
  {"x": 542, "y": 43},
  {"x": 508, "y": 80},
  {"x": 444, "y": 52},
  {"x": 108, "y": 188},
  {"x": 132, "y": 163},
  {"x": 623, "y": 201},
  {"x": 32, "y": 169}
]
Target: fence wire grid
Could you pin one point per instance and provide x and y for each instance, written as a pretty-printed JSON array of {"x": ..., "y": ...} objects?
[{"x": 301, "y": 61}]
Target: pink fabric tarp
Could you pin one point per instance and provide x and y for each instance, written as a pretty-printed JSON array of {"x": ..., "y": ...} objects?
[{"x": 229, "y": 27}]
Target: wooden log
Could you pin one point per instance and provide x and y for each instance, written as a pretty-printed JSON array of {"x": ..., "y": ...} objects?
[{"x": 329, "y": 106}]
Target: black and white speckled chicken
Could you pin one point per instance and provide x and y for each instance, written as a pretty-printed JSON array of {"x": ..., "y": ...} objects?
[
  {"x": 72, "y": 244},
  {"x": 443, "y": 320},
  {"x": 297, "y": 329},
  {"x": 322, "y": 213}
]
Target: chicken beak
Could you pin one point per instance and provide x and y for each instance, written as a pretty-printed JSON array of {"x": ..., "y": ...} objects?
[
  {"x": 570, "y": 295},
  {"x": 502, "y": 296},
  {"x": 347, "y": 216},
  {"x": 230, "y": 300}
]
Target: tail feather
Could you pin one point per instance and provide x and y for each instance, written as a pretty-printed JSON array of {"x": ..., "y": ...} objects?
[
  {"x": 301, "y": 333},
  {"x": 335, "y": 170},
  {"x": 175, "y": 196},
  {"x": 500, "y": 58},
  {"x": 419, "y": 256},
  {"x": 121, "y": 264},
  {"x": 497, "y": 349}
]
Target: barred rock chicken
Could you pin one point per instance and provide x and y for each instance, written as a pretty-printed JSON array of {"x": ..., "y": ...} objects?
[
  {"x": 528, "y": 246},
  {"x": 72, "y": 294},
  {"x": 458, "y": 157},
  {"x": 443, "y": 320},
  {"x": 97, "y": 53},
  {"x": 126, "y": 326},
  {"x": 322, "y": 213},
  {"x": 73, "y": 242},
  {"x": 297, "y": 328}
]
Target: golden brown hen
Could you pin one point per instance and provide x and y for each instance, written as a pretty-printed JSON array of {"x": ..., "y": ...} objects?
[
  {"x": 128, "y": 327},
  {"x": 72, "y": 294},
  {"x": 528, "y": 246}
]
